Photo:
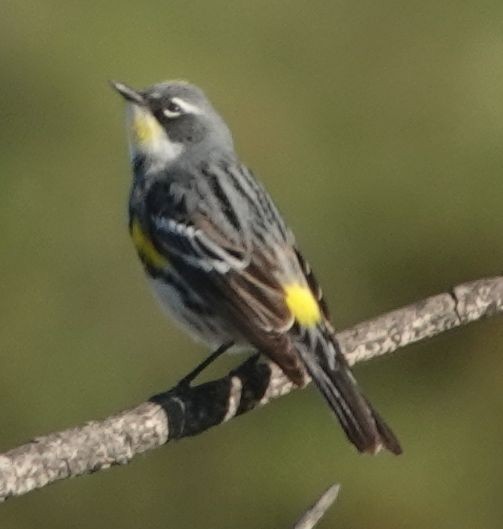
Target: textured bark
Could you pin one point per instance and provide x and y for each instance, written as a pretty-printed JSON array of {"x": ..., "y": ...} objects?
[{"x": 179, "y": 413}]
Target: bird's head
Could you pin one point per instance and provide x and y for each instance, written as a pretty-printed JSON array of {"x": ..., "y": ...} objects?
[{"x": 173, "y": 121}]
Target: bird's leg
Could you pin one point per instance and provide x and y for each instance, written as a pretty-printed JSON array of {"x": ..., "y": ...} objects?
[{"x": 187, "y": 380}]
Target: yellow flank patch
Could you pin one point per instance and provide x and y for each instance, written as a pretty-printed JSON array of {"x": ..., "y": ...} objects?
[
  {"x": 145, "y": 127},
  {"x": 145, "y": 247},
  {"x": 302, "y": 304}
]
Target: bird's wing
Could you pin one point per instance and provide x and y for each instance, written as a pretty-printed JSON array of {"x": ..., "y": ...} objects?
[
  {"x": 180, "y": 227},
  {"x": 224, "y": 236}
]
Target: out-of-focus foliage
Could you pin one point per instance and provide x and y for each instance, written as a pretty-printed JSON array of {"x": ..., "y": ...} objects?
[{"x": 378, "y": 128}]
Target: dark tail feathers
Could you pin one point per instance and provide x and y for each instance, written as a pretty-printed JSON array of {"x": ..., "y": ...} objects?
[{"x": 330, "y": 372}]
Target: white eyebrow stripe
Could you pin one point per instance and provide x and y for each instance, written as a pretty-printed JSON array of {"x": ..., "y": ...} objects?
[{"x": 187, "y": 107}]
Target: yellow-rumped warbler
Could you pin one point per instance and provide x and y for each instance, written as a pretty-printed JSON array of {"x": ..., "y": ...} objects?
[{"x": 221, "y": 258}]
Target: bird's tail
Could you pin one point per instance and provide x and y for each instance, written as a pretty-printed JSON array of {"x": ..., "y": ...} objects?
[{"x": 327, "y": 366}]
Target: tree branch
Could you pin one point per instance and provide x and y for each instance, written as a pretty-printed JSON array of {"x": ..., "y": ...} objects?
[{"x": 175, "y": 414}]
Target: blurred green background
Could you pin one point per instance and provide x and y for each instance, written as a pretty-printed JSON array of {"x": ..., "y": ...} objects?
[{"x": 377, "y": 127}]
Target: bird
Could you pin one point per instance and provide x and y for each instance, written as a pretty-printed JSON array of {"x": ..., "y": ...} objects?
[{"x": 221, "y": 258}]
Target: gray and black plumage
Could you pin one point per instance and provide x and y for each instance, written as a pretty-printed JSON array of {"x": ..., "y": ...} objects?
[{"x": 221, "y": 258}]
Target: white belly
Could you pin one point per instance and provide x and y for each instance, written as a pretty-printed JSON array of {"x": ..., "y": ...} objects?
[{"x": 192, "y": 314}]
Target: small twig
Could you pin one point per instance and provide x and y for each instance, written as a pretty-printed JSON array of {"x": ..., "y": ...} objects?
[{"x": 315, "y": 513}]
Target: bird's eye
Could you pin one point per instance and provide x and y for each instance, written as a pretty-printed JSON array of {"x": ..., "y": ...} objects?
[{"x": 172, "y": 110}]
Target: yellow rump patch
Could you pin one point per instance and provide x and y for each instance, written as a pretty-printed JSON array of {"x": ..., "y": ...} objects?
[
  {"x": 145, "y": 247},
  {"x": 302, "y": 304}
]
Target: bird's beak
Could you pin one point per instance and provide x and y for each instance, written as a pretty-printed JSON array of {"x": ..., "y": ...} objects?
[{"x": 128, "y": 93}]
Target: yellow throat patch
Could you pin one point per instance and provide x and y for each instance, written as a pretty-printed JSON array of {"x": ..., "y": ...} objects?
[
  {"x": 302, "y": 304},
  {"x": 145, "y": 247},
  {"x": 145, "y": 128}
]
